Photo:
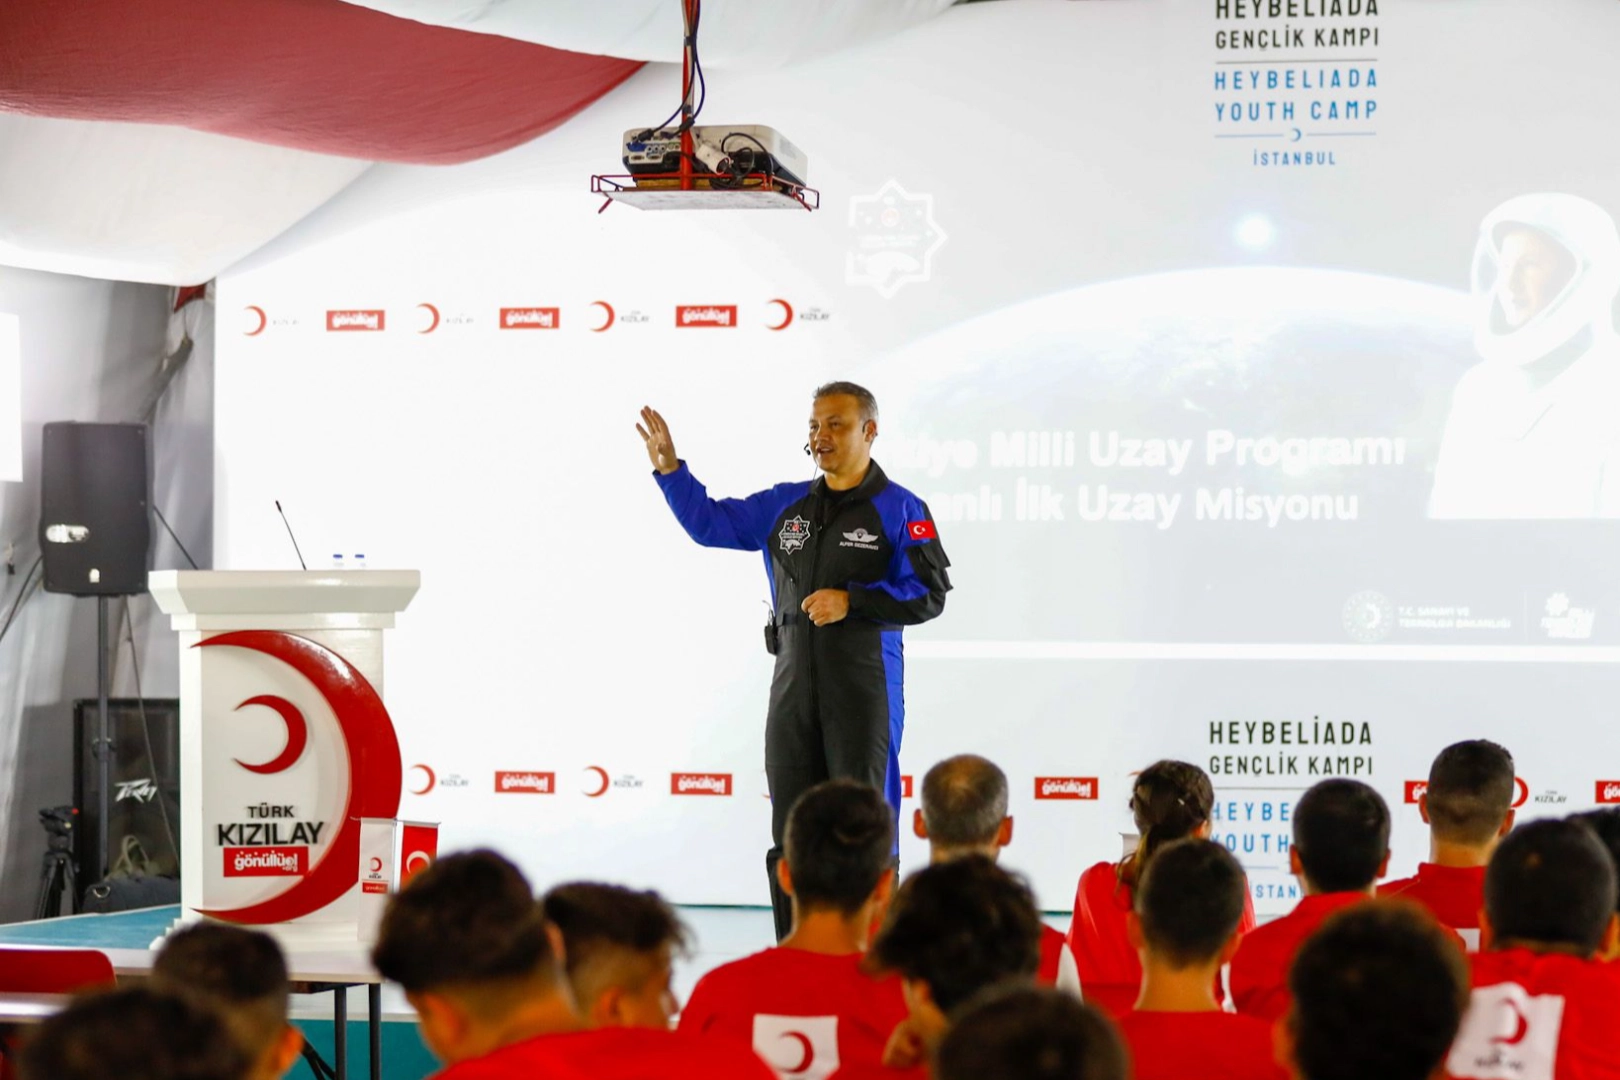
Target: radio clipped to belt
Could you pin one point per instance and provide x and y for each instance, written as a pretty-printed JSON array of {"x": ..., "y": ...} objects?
[
  {"x": 773, "y": 641},
  {"x": 774, "y": 624}
]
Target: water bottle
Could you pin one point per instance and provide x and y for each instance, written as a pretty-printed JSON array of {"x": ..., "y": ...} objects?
[
  {"x": 337, "y": 562},
  {"x": 359, "y": 562}
]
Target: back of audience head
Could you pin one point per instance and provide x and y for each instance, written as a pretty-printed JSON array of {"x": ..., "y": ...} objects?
[
  {"x": 1469, "y": 799},
  {"x": 964, "y": 808},
  {"x": 243, "y": 974},
  {"x": 1033, "y": 1033},
  {"x": 1171, "y": 800},
  {"x": 141, "y": 1033},
  {"x": 1378, "y": 991},
  {"x": 1188, "y": 905},
  {"x": 1550, "y": 887},
  {"x": 1341, "y": 837},
  {"x": 954, "y": 929},
  {"x": 619, "y": 946},
  {"x": 471, "y": 948},
  {"x": 838, "y": 849},
  {"x": 1606, "y": 823}
]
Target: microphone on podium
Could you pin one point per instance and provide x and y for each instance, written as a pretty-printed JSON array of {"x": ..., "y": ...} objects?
[{"x": 290, "y": 535}]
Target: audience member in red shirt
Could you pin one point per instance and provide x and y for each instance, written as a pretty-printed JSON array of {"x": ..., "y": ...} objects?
[
  {"x": 955, "y": 928},
  {"x": 1606, "y": 823},
  {"x": 1543, "y": 1004},
  {"x": 964, "y": 812},
  {"x": 1378, "y": 993},
  {"x": 1033, "y": 1033},
  {"x": 1172, "y": 800},
  {"x": 1185, "y": 926},
  {"x": 806, "y": 1006},
  {"x": 479, "y": 964},
  {"x": 619, "y": 947},
  {"x": 1341, "y": 847},
  {"x": 1468, "y": 806}
]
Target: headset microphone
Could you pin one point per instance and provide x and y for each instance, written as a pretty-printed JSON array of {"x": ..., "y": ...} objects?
[{"x": 807, "y": 449}]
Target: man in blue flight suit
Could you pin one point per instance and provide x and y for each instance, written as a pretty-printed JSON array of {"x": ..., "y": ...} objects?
[{"x": 852, "y": 558}]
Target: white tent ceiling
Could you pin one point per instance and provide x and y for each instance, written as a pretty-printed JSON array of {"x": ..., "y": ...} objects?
[
  {"x": 140, "y": 202},
  {"x": 169, "y": 205},
  {"x": 734, "y": 33}
]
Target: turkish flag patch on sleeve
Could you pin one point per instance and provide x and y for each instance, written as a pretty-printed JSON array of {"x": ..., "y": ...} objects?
[{"x": 921, "y": 530}]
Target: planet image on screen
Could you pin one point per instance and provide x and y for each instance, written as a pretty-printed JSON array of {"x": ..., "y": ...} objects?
[{"x": 1180, "y": 456}]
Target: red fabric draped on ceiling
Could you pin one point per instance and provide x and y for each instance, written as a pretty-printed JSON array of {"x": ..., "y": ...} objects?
[{"x": 317, "y": 75}]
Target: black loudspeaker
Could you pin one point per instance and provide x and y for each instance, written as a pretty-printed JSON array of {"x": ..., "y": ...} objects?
[
  {"x": 145, "y": 798},
  {"x": 95, "y": 526}
]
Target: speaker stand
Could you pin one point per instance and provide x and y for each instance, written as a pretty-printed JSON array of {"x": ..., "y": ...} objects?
[{"x": 104, "y": 743}]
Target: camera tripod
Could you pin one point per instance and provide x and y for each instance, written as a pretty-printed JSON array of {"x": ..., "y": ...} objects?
[{"x": 58, "y": 872}]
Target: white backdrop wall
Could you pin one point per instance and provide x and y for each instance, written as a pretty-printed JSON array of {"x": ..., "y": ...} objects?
[
  {"x": 91, "y": 351},
  {"x": 1039, "y": 218}
]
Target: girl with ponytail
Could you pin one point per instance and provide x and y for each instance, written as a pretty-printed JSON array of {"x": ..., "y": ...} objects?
[{"x": 1171, "y": 800}]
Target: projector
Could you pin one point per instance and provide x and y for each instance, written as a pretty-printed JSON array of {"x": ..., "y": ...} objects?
[{"x": 725, "y": 153}]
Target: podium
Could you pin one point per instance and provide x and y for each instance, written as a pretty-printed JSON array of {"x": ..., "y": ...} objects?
[{"x": 285, "y": 744}]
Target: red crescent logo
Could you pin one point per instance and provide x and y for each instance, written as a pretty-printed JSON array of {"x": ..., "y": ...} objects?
[
  {"x": 1521, "y": 792},
  {"x": 805, "y": 1048},
  {"x": 1521, "y": 1027},
  {"x": 434, "y": 325},
  {"x": 376, "y": 865},
  {"x": 603, "y": 776},
  {"x": 607, "y": 323},
  {"x": 427, "y": 770},
  {"x": 376, "y": 774},
  {"x": 415, "y": 861},
  {"x": 264, "y": 320},
  {"x": 787, "y": 315},
  {"x": 297, "y": 735}
]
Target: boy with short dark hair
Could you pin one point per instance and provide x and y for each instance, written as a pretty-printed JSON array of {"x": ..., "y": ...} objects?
[
  {"x": 1185, "y": 926},
  {"x": 1468, "y": 806},
  {"x": 619, "y": 947},
  {"x": 481, "y": 967},
  {"x": 1544, "y": 1005},
  {"x": 139, "y": 1033},
  {"x": 1606, "y": 824},
  {"x": 1032, "y": 1033},
  {"x": 242, "y": 973},
  {"x": 806, "y": 1006},
  {"x": 955, "y": 928},
  {"x": 1377, "y": 994},
  {"x": 1340, "y": 850}
]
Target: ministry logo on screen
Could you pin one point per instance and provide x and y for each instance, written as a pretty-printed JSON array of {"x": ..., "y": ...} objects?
[{"x": 1369, "y": 617}]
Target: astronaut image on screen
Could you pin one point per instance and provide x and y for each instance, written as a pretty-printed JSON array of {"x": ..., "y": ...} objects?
[{"x": 1533, "y": 429}]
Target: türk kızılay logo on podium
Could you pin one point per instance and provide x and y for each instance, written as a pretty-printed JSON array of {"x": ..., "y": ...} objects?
[{"x": 297, "y": 749}]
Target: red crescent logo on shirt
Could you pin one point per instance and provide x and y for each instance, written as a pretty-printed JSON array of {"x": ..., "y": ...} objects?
[
  {"x": 807, "y": 1051},
  {"x": 921, "y": 530},
  {"x": 1521, "y": 1027}
]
